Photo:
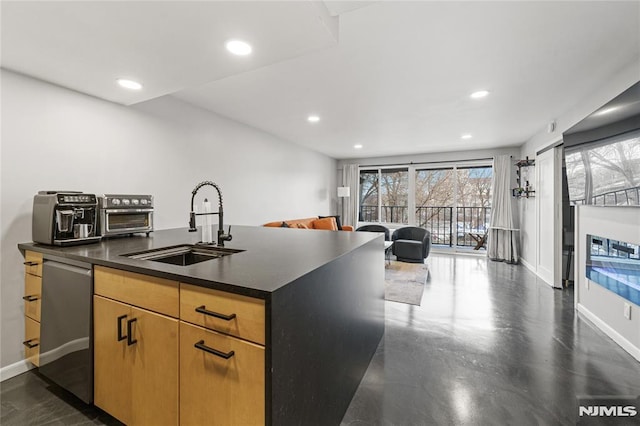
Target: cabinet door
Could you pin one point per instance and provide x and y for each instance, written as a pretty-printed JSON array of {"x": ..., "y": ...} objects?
[
  {"x": 155, "y": 368},
  {"x": 112, "y": 358},
  {"x": 136, "y": 363},
  {"x": 220, "y": 391}
]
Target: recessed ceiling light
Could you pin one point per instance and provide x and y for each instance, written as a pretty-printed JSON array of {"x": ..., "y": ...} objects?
[
  {"x": 466, "y": 136},
  {"x": 313, "y": 118},
  {"x": 239, "y": 47},
  {"x": 479, "y": 94},
  {"x": 607, "y": 110},
  {"x": 358, "y": 146},
  {"x": 129, "y": 84}
]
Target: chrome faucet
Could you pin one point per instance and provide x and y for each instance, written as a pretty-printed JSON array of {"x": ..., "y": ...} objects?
[{"x": 222, "y": 237}]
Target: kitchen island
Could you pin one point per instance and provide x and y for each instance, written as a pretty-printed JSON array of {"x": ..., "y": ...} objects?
[{"x": 321, "y": 295}]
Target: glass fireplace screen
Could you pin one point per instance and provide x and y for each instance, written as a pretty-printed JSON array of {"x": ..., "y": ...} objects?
[{"x": 615, "y": 265}]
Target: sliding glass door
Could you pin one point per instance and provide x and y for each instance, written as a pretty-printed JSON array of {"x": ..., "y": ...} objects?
[
  {"x": 473, "y": 205},
  {"x": 435, "y": 199},
  {"x": 452, "y": 202}
]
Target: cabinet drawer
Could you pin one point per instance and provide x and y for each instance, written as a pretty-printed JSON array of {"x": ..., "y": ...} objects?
[
  {"x": 32, "y": 341},
  {"x": 32, "y": 296},
  {"x": 156, "y": 294},
  {"x": 228, "y": 313},
  {"x": 219, "y": 391},
  {"x": 33, "y": 263}
]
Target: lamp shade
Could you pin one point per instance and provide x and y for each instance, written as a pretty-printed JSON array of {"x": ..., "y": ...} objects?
[{"x": 344, "y": 191}]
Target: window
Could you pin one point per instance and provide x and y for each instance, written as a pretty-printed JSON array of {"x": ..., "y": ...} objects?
[
  {"x": 435, "y": 196},
  {"x": 368, "y": 196},
  {"x": 394, "y": 195},
  {"x": 453, "y": 203},
  {"x": 384, "y": 196}
]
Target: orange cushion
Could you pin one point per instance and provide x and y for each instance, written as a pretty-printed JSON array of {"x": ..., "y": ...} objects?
[
  {"x": 328, "y": 223},
  {"x": 273, "y": 224},
  {"x": 302, "y": 226}
]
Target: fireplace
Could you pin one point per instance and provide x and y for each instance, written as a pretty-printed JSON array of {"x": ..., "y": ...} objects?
[{"x": 615, "y": 265}]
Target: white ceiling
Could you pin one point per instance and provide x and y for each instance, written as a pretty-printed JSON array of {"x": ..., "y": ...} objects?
[{"x": 392, "y": 76}]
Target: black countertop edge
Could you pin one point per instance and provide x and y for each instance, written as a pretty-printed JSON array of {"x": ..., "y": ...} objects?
[
  {"x": 261, "y": 268},
  {"x": 233, "y": 288}
]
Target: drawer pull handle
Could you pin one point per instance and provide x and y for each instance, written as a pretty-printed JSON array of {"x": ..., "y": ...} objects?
[
  {"x": 30, "y": 263},
  {"x": 200, "y": 345},
  {"x": 202, "y": 309},
  {"x": 30, "y": 298},
  {"x": 130, "y": 341},
  {"x": 30, "y": 345},
  {"x": 121, "y": 337}
]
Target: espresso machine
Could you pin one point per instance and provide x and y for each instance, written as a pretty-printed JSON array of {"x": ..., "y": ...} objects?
[{"x": 64, "y": 218}]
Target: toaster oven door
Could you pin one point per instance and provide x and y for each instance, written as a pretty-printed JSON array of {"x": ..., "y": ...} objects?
[{"x": 126, "y": 221}]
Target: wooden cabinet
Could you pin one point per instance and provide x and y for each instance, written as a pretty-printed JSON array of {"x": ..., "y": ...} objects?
[
  {"x": 228, "y": 313},
  {"x": 135, "y": 349},
  {"x": 32, "y": 341},
  {"x": 32, "y": 300},
  {"x": 155, "y": 294},
  {"x": 171, "y": 353},
  {"x": 222, "y": 379}
]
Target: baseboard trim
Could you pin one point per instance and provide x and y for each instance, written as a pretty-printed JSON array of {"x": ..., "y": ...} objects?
[
  {"x": 528, "y": 266},
  {"x": 14, "y": 369},
  {"x": 609, "y": 331}
]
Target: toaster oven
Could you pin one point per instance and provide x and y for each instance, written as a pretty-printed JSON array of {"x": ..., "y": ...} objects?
[{"x": 125, "y": 214}]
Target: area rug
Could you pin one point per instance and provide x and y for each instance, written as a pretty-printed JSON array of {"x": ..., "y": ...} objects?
[{"x": 404, "y": 282}]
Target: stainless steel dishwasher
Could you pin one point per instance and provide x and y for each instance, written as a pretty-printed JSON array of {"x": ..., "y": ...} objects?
[{"x": 66, "y": 341}]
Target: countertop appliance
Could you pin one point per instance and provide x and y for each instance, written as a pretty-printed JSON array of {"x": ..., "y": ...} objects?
[
  {"x": 66, "y": 341},
  {"x": 122, "y": 214},
  {"x": 64, "y": 218}
]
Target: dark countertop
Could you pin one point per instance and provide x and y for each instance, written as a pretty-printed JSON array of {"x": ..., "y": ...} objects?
[{"x": 273, "y": 257}]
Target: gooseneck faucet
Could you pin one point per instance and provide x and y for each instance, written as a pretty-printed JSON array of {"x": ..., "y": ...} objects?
[{"x": 222, "y": 237}]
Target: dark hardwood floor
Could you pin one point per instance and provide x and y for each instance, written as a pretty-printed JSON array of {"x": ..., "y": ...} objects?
[{"x": 490, "y": 344}]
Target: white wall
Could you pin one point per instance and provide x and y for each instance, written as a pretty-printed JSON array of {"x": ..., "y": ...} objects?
[
  {"x": 603, "y": 307},
  {"x": 57, "y": 139},
  {"x": 599, "y": 96}
]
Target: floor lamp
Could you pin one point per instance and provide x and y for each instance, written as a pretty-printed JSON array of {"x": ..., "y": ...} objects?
[{"x": 344, "y": 192}]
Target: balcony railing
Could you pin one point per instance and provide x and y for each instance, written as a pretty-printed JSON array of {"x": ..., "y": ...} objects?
[
  {"x": 439, "y": 220},
  {"x": 620, "y": 197}
]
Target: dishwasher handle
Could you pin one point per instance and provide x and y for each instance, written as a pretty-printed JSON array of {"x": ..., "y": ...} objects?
[{"x": 79, "y": 270}]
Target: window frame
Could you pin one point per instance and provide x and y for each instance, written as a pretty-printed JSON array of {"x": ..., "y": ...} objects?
[{"x": 411, "y": 169}]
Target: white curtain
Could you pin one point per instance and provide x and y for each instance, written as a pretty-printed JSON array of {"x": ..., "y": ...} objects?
[
  {"x": 350, "y": 178},
  {"x": 502, "y": 239}
]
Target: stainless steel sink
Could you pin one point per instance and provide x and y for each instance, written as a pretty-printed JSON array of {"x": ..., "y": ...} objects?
[{"x": 183, "y": 255}]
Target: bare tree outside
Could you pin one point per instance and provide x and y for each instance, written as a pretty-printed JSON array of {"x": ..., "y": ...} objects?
[
  {"x": 394, "y": 190},
  {"x": 614, "y": 177},
  {"x": 435, "y": 200},
  {"x": 368, "y": 196}
]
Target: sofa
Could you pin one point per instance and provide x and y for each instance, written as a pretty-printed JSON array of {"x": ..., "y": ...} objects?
[{"x": 330, "y": 223}]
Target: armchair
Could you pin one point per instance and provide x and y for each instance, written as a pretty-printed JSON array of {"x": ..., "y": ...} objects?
[
  {"x": 411, "y": 244},
  {"x": 376, "y": 228}
]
